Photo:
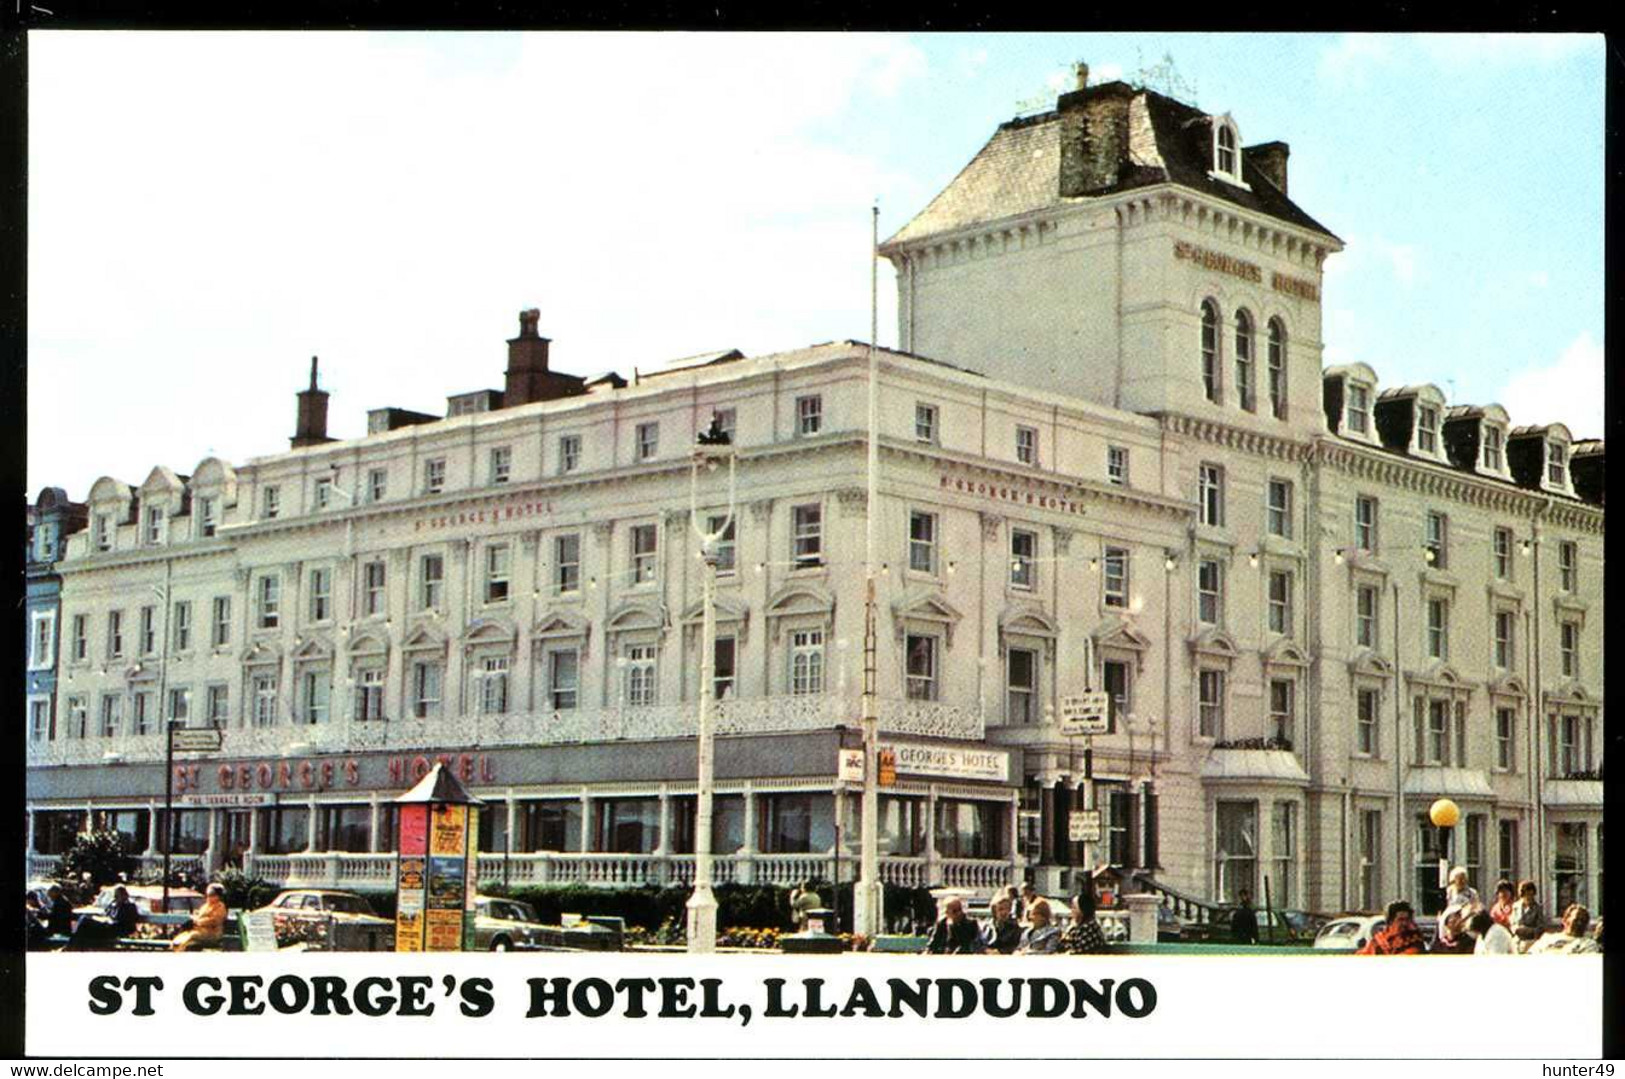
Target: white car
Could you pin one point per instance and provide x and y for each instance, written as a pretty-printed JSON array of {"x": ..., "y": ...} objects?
[{"x": 1349, "y": 933}]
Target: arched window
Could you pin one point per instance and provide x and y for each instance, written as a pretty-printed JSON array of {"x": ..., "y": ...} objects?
[
  {"x": 1244, "y": 359},
  {"x": 1225, "y": 142},
  {"x": 1210, "y": 350},
  {"x": 1277, "y": 369}
]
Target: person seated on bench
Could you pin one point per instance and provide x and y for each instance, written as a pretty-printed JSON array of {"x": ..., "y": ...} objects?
[
  {"x": 105, "y": 930},
  {"x": 208, "y": 923}
]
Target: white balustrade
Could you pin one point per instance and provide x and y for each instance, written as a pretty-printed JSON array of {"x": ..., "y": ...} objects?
[
  {"x": 758, "y": 715},
  {"x": 976, "y": 873}
]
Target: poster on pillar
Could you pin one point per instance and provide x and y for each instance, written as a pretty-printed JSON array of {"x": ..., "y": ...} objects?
[{"x": 410, "y": 878}]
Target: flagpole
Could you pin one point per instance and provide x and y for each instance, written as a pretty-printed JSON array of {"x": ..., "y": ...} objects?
[{"x": 867, "y": 900}]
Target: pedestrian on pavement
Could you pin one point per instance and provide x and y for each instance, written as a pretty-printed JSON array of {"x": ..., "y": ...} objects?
[
  {"x": 1571, "y": 939},
  {"x": 1083, "y": 936},
  {"x": 208, "y": 922},
  {"x": 1042, "y": 937},
  {"x": 1002, "y": 933},
  {"x": 58, "y": 912},
  {"x": 1399, "y": 934},
  {"x": 1493, "y": 937},
  {"x": 1244, "y": 922},
  {"x": 96, "y": 931},
  {"x": 1501, "y": 909},
  {"x": 802, "y": 900},
  {"x": 1459, "y": 894},
  {"x": 1024, "y": 909},
  {"x": 955, "y": 933},
  {"x": 1453, "y": 938},
  {"x": 1528, "y": 920}
]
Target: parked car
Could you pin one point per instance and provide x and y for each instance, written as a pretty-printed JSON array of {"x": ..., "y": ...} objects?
[
  {"x": 148, "y": 899},
  {"x": 1274, "y": 926},
  {"x": 304, "y": 915},
  {"x": 1348, "y": 933},
  {"x": 504, "y": 925}
]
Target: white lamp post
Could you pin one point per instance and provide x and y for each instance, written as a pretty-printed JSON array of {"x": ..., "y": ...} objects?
[{"x": 702, "y": 905}]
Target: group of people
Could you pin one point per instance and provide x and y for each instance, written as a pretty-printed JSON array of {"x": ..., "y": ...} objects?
[
  {"x": 1020, "y": 922},
  {"x": 54, "y": 918},
  {"x": 1513, "y": 924}
]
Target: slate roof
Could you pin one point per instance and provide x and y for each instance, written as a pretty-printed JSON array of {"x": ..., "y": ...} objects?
[{"x": 1018, "y": 171}]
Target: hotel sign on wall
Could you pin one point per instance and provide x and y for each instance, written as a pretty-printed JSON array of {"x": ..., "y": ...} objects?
[
  {"x": 483, "y": 516},
  {"x": 1000, "y": 492},
  {"x": 950, "y": 762},
  {"x": 1247, "y": 271}
]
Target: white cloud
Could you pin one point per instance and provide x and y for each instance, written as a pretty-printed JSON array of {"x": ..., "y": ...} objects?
[
  {"x": 1568, "y": 390},
  {"x": 390, "y": 201},
  {"x": 1352, "y": 55}
]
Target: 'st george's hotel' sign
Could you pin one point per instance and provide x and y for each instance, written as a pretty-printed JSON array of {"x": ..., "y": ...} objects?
[
  {"x": 202, "y": 781},
  {"x": 1247, "y": 271}
]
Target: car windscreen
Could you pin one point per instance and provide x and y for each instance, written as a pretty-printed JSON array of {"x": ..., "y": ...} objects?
[{"x": 1341, "y": 929}]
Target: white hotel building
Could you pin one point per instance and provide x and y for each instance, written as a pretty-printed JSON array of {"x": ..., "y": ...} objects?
[{"x": 1318, "y": 604}]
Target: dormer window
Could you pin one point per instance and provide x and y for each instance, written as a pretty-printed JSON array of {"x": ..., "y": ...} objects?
[
  {"x": 1359, "y": 408},
  {"x": 1494, "y": 448},
  {"x": 1427, "y": 429},
  {"x": 1226, "y": 151},
  {"x": 1557, "y": 466}
]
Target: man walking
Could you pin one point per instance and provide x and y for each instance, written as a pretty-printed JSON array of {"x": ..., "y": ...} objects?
[{"x": 1244, "y": 922}]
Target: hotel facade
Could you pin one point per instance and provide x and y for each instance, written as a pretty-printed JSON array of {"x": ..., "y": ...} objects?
[{"x": 1109, "y": 458}]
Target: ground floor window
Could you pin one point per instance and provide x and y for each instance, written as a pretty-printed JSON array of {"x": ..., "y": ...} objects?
[
  {"x": 236, "y": 832},
  {"x": 1121, "y": 832},
  {"x": 55, "y": 830},
  {"x": 493, "y": 829},
  {"x": 1284, "y": 853},
  {"x": 1569, "y": 867},
  {"x": 1506, "y": 860},
  {"x": 902, "y": 825},
  {"x": 1432, "y": 844},
  {"x": 284, "y": 829},
  {"x": 1236, "y": 850},
  {"x": 190, "y": 834},
  {"x": 1370, "y": 859},
  {"x": 799, "y": 823},
  {"x": 970, "y": 829},
  {"x": 553, "y": 825},
  {"x": 727, "y": 823},
  {"x": 344, "y": 828},
  {"x": 627, "y": 825}
]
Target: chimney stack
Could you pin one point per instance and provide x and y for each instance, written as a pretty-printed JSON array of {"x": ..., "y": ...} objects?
[
  {"x": 1080, "y": 73},
  {"x": 1270, "y": 159},
  {"x": 310, "y": 428},
  {"x": 528, "y": 378}
]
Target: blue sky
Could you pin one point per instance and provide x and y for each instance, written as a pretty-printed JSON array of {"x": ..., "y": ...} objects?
[{"x": 209, "y": 210}]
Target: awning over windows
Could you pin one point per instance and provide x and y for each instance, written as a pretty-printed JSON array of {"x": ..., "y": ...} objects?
[
  {"x": 1573, "y": 793},
  {"x": 1452, "y": 782},
  {"x": 1254, "y": 765}
]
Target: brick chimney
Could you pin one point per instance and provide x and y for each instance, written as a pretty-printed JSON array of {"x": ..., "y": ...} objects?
[
  {"x": 528, "y": 378},
  {"x": 1270, "y": 159},
  {"x": 1094, "y": 134},
  {"x": 310, "y": 428}
]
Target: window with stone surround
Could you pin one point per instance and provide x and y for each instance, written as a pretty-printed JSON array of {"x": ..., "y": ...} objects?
[{"x": 1210, "y": 351}]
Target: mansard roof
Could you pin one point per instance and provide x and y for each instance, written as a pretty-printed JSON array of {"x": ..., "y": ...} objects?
[{"x": 1018, "y": 171}]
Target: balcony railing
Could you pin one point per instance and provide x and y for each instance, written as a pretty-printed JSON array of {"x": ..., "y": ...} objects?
[{"x": 760, "y": 715}]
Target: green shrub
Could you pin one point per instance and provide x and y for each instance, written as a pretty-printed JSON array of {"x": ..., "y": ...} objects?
[{"x": 95, "y": 860}]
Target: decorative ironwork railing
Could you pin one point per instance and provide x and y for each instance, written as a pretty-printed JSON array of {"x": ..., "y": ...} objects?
[{"x": 760, "y": 715}]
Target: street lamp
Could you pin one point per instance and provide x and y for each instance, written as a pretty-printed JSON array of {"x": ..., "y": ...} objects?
[{"x": 713, "y": 446}]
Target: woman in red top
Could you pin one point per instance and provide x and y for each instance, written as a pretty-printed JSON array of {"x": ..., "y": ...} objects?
[
  {"x": 1501, "y": 909},
  {"x": 1400, "y": 936}
]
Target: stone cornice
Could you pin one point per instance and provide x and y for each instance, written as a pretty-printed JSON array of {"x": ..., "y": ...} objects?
[
  {"x": 1236, "y": 438},
  {"x": 1439, "y": 481}
]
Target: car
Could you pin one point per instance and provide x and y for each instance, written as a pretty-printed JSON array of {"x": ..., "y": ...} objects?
[
  {"x": 504, "y": 925},
  {"x": 1348, "y": 933},
  {"x": 328, "y": 919},
  {"x": 1274, "y": 926},
  {"x": 345, "y": 905},
  {"x": 148, "y": 899}
]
